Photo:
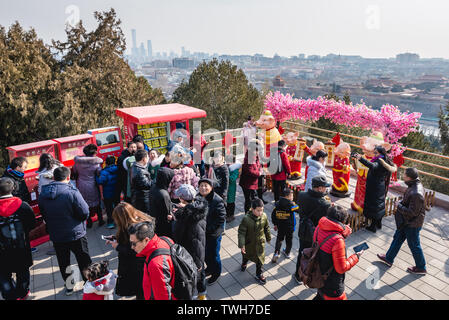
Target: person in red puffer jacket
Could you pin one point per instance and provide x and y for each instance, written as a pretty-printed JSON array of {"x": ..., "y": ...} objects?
[
  {"x": 333, "y": 253},
  {"x": 18, "y": 259},
  {"x": 159, "y": 273}
]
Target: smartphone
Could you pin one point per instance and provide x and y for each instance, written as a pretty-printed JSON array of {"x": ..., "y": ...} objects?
[
  {"x": 110, "y": 238},
  {"x": 360, "y": 247}
]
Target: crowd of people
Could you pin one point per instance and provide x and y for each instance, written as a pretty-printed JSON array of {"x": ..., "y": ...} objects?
[{"x": 168, "y": 200}]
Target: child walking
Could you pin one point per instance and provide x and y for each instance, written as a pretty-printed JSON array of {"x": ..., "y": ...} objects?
[
  {"x": 100, "y": 282},
  {"x": 253, "y": 232},
  {"x": 284, "y": 220},
  {"x": 108, "y": 182}
]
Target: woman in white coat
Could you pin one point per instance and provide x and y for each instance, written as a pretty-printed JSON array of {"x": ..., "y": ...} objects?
[{"x": 316, "y": 167}]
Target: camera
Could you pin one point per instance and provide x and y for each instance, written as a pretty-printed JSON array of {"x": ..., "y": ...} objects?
[{"x": 354, "y": 154}]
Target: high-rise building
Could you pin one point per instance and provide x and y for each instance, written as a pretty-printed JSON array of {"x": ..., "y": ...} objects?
[
  {"x": 142, "y": 52},
  {"x": 407, "y": 57},
  {"x": 134, "y": 51},
  {"x": 150, "y": 49}
]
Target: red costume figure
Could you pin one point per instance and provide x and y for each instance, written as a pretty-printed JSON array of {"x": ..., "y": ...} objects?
[
  {"x": 227, "y": 142},
  {"x": 398, "y": 161},
  {"x": 342, "y": 170},
  {"x": 295, "y": 154}
]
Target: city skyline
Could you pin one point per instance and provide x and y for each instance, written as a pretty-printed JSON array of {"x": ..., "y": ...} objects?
[{"x": 371, "y": 29}]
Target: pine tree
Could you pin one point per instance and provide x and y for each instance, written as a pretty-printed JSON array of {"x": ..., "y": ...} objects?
[
  {"x": 223, "y": 91},
  {"x": 443, "y": 124},
  {"x": 67, "y": 88}
]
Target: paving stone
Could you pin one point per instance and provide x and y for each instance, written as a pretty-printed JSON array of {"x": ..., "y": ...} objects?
[
  {"x": 413, "y": 293},
  {"x": 259, "y": 293},
  {"x": 433, "y": 292},
  {"x": 394, "y": 283}
]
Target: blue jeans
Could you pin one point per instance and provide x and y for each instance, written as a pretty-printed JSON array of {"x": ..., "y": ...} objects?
[
  {"x": 10, "y": 289},
  {"x": 412, "y": 237},
  {"x": 212, "y": 255}
]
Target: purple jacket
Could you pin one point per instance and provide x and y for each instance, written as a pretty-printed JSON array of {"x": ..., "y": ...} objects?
[{"x": 86, "y": 169}]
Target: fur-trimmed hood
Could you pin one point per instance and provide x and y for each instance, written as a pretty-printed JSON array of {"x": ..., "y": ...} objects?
[{"x": 197, "y": 210}]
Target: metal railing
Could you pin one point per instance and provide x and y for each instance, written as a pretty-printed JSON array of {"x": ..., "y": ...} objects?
[
  {"x": 357, "y": 220},
  {"x": 293, "y": 126}
]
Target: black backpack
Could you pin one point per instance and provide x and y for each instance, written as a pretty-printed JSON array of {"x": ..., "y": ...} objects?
[
  {"x": 12, "y": 234},
  {"x": 186, "y": 271}
]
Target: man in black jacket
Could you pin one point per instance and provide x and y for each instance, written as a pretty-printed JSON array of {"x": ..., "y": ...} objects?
[
  {"x": 141, "y": 182},
  {"x": 122, "y": 173},
  {"x": 215, "y": 223},
  {"x": 160, "y": 202},
  {"x": 65, "y": 212},
  {"x": 410, "y": 213},
  {"x": 313, "y": 205},
  {"x": 16, "y": 260},
  {"x": 16, "y": 171}
]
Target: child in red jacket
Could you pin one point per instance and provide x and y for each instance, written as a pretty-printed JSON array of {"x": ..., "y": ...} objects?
[{"x": 100, "y": 282}]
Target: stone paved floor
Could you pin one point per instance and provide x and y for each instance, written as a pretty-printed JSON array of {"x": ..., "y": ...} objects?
[{"x": 368, "y": 280}]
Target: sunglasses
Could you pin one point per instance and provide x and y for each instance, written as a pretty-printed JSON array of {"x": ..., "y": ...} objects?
[{"x": 133, "y": 244}]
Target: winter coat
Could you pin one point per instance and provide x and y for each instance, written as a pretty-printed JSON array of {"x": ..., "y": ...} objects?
[
  {"x": 190, "y": 228},
  {"x": 312, "y": 205},
  {"x": 160, "y": 202},
  {"x": 222, "y": 181},
  {"x": 286, "y": 170},
  {"x": 127, "y": 164},
  {"x": 283, "y": 214},
  {"x": 374, "y": 205},
  {"x": 159, "y": 274},
  {"x": 122, "y": 172},
  {"x": 315, "y": 169},
  {"x": 20, "y": 187},
  {"x": 412, "y": 207},
  {"x": 333, "y": 254},
  {"x": 216, "y": 216},
  {"x": 184, "y": 175},
  {"x": 100, "y": 289},
  {"x": 253, "y": 232},
  {"x": 86, "y": 169},
  {"x": 15, "y": 259},
  {"x": 46, "y": 177},
  {"x": 109, "y": 180},
  {"x": 141, "y": 184},
  {"x": 250, "y": 174},
  {"x": 234, "y": 171},
  {"x": 130, "y": 271},
  {"x": 64, "y": 211}
]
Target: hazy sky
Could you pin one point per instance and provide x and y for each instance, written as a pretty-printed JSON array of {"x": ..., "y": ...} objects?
[{"x": 370, "y": 28}]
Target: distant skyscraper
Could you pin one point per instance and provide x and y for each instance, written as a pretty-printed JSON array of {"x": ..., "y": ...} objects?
[
  {"x": 150, "y": 49},
  {"x": 133, "y": 32},
  {"x": 134, "y": 51},
  {"x": 142, "y": 52}
]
